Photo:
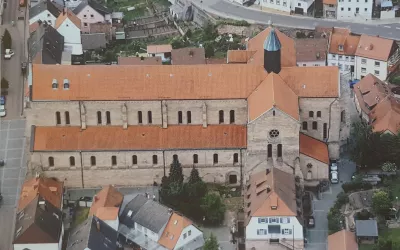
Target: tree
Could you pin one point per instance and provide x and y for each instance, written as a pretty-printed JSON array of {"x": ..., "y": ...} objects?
[
  {"x": 214, "y": 209},
  {"x": 389, "y": 167},
  {"x": 172, "y": 186},
  {"x": 381, "y": 203},
  {"x": 211, "y": 243},
  {"x": 175, "y": 172},
  {"x": 7, "y": 41},
  {"x": 109, "y": 56},
  {"x": 4, "y": 86},
  {"x": 209, "y": 50},
  {"x": 335, "y": 218}
]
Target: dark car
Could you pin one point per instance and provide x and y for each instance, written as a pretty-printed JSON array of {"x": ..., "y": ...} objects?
[
  {"x": 310, "y": 222},
  {"x": 2, "y": 100}
]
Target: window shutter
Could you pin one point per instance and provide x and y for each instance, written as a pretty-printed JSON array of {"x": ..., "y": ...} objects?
[
  {"x": 290, "y": 231},
  {"x": 283, "y": 231}
]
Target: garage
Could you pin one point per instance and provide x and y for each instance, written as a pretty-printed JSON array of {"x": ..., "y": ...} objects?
[{"x": 299, "y": 11}]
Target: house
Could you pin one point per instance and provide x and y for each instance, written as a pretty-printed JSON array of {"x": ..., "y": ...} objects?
[
  {"x": 106, "y": 206},
  {"x": 188, "y": 56},
  {"x": 329, "y": 8},
  {"x": 311, "y": 51},
  {"x": 45, "y": 44},
  {"x": 349, "y": 10},
  {"x": 163, "y": 51},
  {"x": 93, "y": 234},
  {"x": 366, "y": 231},
  {"x": 70, "y": 4},
  {"x": 154, "y": 226},
  {"x": 388, "y": 11},
  {"x": 88, "y": 11},
  {"x": 281, "y": 5},
  {"x": 342, "y": 50},
  {"x": 344, "y": 240},
  {"x": 94, "y": 41},
  {"x": 301, "y": 7},
  {"x": 139, "y": 60},
  {"x": 105, "y": 28},
  {"x": 69, "y": 26},
  {"x": 271, "y": 212},
  {"x": 45, "y": 10},
  {"x": 377, "y": 104},
  {"x": 181, "y": 10},
  {"x": 39, "y": 216},
  {"x": 376, "y": 55}
]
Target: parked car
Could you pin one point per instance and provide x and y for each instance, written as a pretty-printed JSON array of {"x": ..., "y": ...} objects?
[
  {"x": 334, "y": 177},
  {"x": 2, "y": 110},
  {"x": 334, "y": 167},
  {"x": 9, "y": 53},
  {"x": 311, "y": 222},
  {"x": 2, "y": 100}
]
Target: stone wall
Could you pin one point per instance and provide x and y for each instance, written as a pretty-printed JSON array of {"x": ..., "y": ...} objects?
[{"x": 319, "y": 170}]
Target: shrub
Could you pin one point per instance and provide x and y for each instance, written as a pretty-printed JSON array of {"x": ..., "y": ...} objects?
[
  {"x": 356, "y": 186},
  {"x": 341, "y": 200},
  {"x": 363, "y": 215}
]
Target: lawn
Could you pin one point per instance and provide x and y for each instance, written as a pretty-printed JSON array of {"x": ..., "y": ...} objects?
[
  {"x": 81, "y": 214},
  {"x": 366, "y": 247}
]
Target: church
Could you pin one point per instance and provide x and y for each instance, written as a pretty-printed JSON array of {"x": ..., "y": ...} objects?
[{"x": 91, "y": 126}]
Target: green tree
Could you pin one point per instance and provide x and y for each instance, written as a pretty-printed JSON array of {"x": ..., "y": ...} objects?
[
  {"x": 335, "y": 218},
  {"x": 209, "y": 32},
  {"x": 209, "y": 50},
  {"x": 4, "y": 86},
  {"x": 389, "y": 167},
  {"x": 211, "y": 243},
  {"x": 214, "y": 209},
  {"x": 175, "y": 172},
  {"x": 381, "y": 203},
  {"x": 109, "y": 56},
  {"x": 7, "y": 41}
]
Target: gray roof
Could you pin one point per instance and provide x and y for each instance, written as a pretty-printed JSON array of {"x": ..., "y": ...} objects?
[
  {"x": 88, "y": 235},
  {"x": 80, "y": 7},
  {"x": 146, "y": 212},
  {"x": 98, "y": 7},
  {"x": 93, "y": 41},
  {"x": 366, "y": 228},
  {"x": 42, "y": 6}
]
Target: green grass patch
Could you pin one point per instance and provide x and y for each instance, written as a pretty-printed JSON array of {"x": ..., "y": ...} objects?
[
  {"x": 224, "y": 191},
  {"x": 366, "y": 247},
  {"x": 81, "y": 214}
]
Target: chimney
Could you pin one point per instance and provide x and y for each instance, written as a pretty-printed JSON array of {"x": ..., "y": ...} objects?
[
  {"x": 98, "y": 225},
  {"x": 39, "y": 22},
  {"x": 191, "y": 53},
  {"x": 64, "y": 9},
  {"x": 267, "y": 171},
  {"x": 142, "y": 58},
  {"x": 272, "y": 53},
  {"x": 169, "y": 211},
  {"x": 37, "y": 176},
  {"x": 96, "y": 198},
  {"x": 268, "y": 189}
]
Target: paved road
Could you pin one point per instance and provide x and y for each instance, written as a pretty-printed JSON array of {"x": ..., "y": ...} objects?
[{"x": 229, "y": 10}]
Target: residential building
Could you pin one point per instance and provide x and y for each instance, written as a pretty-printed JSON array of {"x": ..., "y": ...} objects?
[
  {"x": 301, "y": 7},
  {"x": 329, "y": 8},
  {"x": 367, "y": 231},
  {"x": 343, "y": 239},
  {"x": 139, "y": 60},
  {"x": 94, "y": 41},
  {"x": 153, "y": 226},
  {"x": 69, "y": 26},
  {"x": 88, "y": 11},
  {"x": 163, "y": 51},
  {"x": 93, "y": 234},
  {"x": 353, "y": 9},
  {"x": 105, "y": 28},
  {"x": 311, "y": 52},
  {"x": 377, "y": 104},
  {"x": 105, "y": 206},
  {"x": 377, "y": 56},
  {"x": 342, "y": 50},
  {"x": 44, "y": 11},
  {"x": 188, "y": 56},
  {"x": 39, "y": 218},
  {"x": 213, "y": 116},
  {"x": 281, "y": 5},
  {"x": 388, "y": 11},
  {"x": 181, "y": 10},
  {"x": 70, "y": 4},
  {"x": 271, "y": 212}
]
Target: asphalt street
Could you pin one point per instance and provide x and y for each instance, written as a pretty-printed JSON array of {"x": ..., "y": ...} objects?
[{"x": 230, "y": 10}]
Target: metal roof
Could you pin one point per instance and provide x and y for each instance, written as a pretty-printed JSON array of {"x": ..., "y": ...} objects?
[{"x": 272, "y": 42}]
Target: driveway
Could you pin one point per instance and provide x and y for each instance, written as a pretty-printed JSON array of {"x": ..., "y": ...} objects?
[{"x": 227, "y": 9}]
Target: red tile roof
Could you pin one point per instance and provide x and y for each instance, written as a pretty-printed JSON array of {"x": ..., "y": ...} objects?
[
  {"x": 108, "y": 197},
  {"x": 377, "y": 48},
  {"x": 314, "y": 148}
]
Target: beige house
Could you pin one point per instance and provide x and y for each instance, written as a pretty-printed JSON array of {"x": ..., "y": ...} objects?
[{"x": 123, "y": 125}]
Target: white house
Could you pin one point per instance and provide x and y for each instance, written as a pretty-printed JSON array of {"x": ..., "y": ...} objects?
[
  {"x": 311, "y": 52},
  {"x": 44, "y": 11},
  {"x": 342, "y": 50},
  {"x": 154, "y": 226},
  {"x": 90, "y": 12},
  {"x": 281, "y": 5},
  {"x": 301, "y": 6},
  {"x": 271, "y": 211},
  {"x": 69, "y": 26},
  {"x": 163, "y": 51},
  {"x": 377, "y": 56},
  {"x": 353, "y": 9}
]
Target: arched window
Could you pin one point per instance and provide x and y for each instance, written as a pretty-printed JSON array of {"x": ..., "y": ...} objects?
[
  {"x": 93, "y": 160},
  {"x": 305, "y": 126},
  {"x": 215, "y": 158},
  {"x": 279, "y": 153},
  {"x": 235, "y": 158},
  {"x": 189, "y": 117},
  {"x": 221, "y": 116},
  {"x": 72, "y": 161},
  {"x": 342, "y": 116},
  {"x": 269, "y": 153},
  {"x": 114, "y": 160},
  {"x": 180, "y": 117},
  {"x": 58, "y": 118},
  {"x": 155, "y": 159},
  {"x": 232, "y": 116},
  {"x": 51, "y": 161},
  {"x": 311, "y": 114},
  {"x": 149, "y": 117},
  {"x": 99, "y": 118},
  {"x": 140, "y": 117},
  {"x": 195, "y": 159},
  {"x": 175, "y": 158},
  {"x": 325, "y": 131},
  {"x": 134, "y": 160},
  {"x": 315, "y": 125},
  {"x": 318, "y": 113},
  {"x": 108, "y": 117},
  {"x": 67, "y": 121}
]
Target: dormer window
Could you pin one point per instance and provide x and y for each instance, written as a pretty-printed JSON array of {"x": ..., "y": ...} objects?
[
  {"x": 54, "y": 85},
  {"x": 340, "y": 47},
  {"x": 274, "y": 207},
  {"x": 66, "y": 84}
]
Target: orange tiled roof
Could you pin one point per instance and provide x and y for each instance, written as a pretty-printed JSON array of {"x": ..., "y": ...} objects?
[
  {"x": 273, "y": 92},
  {"x": 343, "y": 240},
  {"x": 51, "y": 190},
  {"x": 155, "y": 49},
  {"x": 67, "y": 13},
  {"x": 311, "y": 49},
  {"x": 314, "y": 148},
  {"x": 107, "y": 197},
  {"x": 134, "y": 60},
  {"x": 373, "y": 47},
  {"x": 107, "y": 213},
  {"x": 344, "y": 38},
  {"x": 239, "y": 56},
  {"x": 288, "y": 51},
  {"x": 138, "y": 138},
  {"x": 188, "y": 56},
  {"x": 267, "y": 189},
  {"x": 173, "y": 229},
  {"x": 386, "y": 115},
  {"x": 333, "y": 2}
]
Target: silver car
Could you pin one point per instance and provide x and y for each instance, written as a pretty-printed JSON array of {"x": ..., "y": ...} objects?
[{"x": 334, "y": 177}]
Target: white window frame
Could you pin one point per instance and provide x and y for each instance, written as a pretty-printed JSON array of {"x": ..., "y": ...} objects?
[
  {"x": 273, "y": 220},
  {"x": 263, "y": 220},
  {"x": 262, "y": 231}
]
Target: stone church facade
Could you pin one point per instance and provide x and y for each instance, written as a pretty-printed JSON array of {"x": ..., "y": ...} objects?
[{"x": 92, "y": 126}]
